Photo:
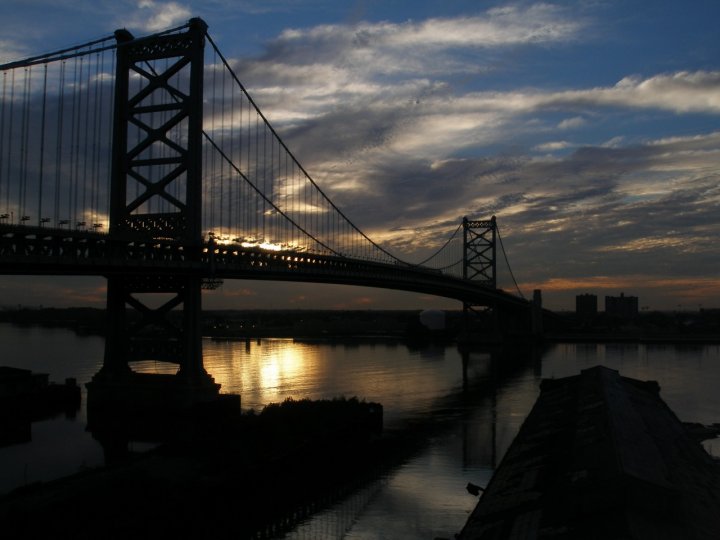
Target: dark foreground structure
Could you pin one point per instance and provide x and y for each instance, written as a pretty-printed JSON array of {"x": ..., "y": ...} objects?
[
  {"x": 601, "y": 457},
  {"x": 221, "y": 475}
]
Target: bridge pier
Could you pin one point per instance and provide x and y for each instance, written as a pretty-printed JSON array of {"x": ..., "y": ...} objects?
[{"x": 164, "y": 334}]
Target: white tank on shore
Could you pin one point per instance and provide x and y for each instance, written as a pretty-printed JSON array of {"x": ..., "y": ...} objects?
[{"x": 433, "y": 319}]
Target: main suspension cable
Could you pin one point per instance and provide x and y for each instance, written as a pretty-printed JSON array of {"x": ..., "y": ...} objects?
[
  {"x": 263, "y": 196},
  {"x": 450, "y": 239},
  {"x": 292, "y": 156},
  {"x": 507, "y": 262}
]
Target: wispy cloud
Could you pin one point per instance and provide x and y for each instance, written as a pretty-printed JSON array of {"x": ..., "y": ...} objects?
[
  {"x": 153, "y": 16},
  {"x": 540, "y": 23},
  {"x": 553, "y": 146},
  {"x": 680, "y": 92},
  {"x": 572, "y": 123}
]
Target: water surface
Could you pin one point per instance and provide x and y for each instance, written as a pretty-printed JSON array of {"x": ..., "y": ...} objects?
[{"x": 476, "y": 415}]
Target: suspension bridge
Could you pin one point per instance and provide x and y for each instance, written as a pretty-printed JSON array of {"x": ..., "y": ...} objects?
[{"x": 145, "y": 160}]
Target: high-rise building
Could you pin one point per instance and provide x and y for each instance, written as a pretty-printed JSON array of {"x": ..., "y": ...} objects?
[
  {"x": 586, "y": 306},
  {"x": 622, "y": 306}
]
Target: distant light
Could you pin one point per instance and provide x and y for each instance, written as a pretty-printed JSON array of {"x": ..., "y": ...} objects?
[
  {"x": 270, "y": 247},
  {"x": 267, "y": 246}
]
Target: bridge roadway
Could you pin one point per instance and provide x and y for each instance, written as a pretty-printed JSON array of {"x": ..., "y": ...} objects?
[{"x": 28, "y": 250}]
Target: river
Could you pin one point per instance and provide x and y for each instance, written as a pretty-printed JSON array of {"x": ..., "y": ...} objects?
[{"x": 477, "y": 412}]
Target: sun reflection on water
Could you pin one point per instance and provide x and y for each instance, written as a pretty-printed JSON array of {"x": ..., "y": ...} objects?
[
  {"x": 280, "y": 366},
  {"x": 273, "y": 370},
  {"x": 262, "y": 371}
]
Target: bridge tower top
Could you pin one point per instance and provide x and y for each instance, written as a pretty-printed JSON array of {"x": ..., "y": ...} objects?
[
  {"x": 479, "y": 250},
  {"x": 156, "y": 185}
]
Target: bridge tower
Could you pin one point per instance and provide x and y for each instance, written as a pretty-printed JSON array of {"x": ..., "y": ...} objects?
[
  {"x": 156, "y": 193},
  {"x": 479, "y": 264}
]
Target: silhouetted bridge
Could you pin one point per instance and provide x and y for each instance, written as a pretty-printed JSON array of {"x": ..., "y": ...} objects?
[{"x": 146, "y": 161}]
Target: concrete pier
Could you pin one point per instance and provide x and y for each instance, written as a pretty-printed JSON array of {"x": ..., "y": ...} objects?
[
  {"x": 143, "y": 392},
  {"x": 600, "y": 456}
]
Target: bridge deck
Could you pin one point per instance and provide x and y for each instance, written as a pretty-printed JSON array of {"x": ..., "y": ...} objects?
[{"x": 46, "y": 251}]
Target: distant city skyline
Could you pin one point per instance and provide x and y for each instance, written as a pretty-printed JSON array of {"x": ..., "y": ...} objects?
[{"x": 590, "y": 129}]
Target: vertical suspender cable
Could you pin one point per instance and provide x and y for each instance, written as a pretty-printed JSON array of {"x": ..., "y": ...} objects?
[
  {"x": 205, "y": 190},
  {"x": 286, "y": 204},
  {"x": 58, "y": 142},
  {"x": 242, "y": 212},
  {"x": 293, "y": 204},
  {"x": 178, "y": 187},
  {"x": 136, "y": 141},
  {"x": 222, "y": 161},
  {"x": 150, "y": 205},
  {"x": 164, "y": 153},
  {"x": 270, "y": 192},
  {"x": 2, "y": 137},
  {"x": 211, "y": 176},
  {"x": 76, "y": 146},
  {"x": 230, "y": 181},
  {"x": 73, "y": 178},
  {"x": 25, "y": 144},
  {"x": 264, "y": 183},
  {"x": 86, "y": 145},
  {"x": 241, "y": 197},
  {"x": 245, "y": 203},
  {"x": 23, "y": 147},
  {"x": 100, "y": 62},
  {"x": 10, "y": 137},
  {"x": 42, "y": 147},
  {"x": 257, "y": 173},
  {"x": 111, "y": 101},
  {"x": 281, "y": 200}
]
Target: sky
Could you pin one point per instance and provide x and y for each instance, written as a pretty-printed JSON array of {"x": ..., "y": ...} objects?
[{"x": 589, "y": 128}]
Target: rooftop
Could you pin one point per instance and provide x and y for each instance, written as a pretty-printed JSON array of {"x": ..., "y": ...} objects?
[{"x": 600, "y": 456}]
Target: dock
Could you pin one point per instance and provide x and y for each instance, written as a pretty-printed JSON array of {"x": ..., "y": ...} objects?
[
  {"x": 600, "y": 456},
  {"x": 27, "y": 397}
]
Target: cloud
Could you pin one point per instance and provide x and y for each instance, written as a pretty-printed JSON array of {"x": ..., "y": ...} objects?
[
  {"x": 680, "y": 92},
  {"x": 512, "y": 25},
  {"x": 571, "y": 123},
  {"x": 426, "y": 117},
  {"x": 388, "y": 50},
  {"x": 650, "y": 206},
  {"x": 553, "y": 146},
  {"x": 154, "y": 16},
  {"x": 615, "y": 142}
]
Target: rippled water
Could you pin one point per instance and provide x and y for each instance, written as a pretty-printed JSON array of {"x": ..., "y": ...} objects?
[{"x": 478, "y": 415}]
